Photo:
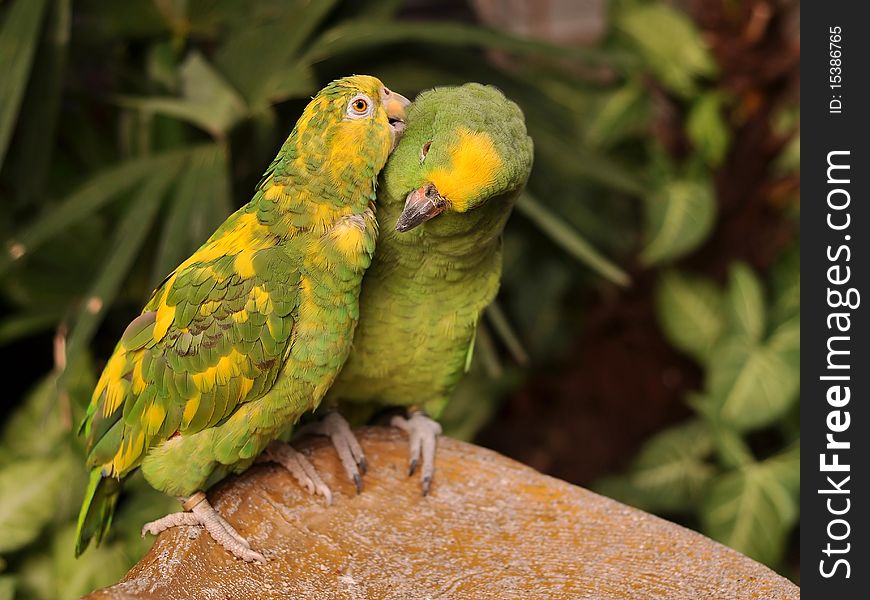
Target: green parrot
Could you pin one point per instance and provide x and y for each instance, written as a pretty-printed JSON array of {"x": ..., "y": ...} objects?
[
  {"x": 445, "y": 196},
  {"x": 248, "y": 334}
]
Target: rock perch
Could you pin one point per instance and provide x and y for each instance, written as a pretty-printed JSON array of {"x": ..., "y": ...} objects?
[{"x": 491, "y": 528}]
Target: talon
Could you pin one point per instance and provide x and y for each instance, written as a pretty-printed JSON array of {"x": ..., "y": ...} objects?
[
  {"x": 299, "y": 466},
  {"x": 423, "y": 435},
  {"x": 345, "y": 443},
  {"x": 220, "y": 530}
]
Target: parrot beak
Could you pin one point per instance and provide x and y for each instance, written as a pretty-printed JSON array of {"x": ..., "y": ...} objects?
[
  {"x": 394, "y": 105},
  {"x": 421, "y": 205}
]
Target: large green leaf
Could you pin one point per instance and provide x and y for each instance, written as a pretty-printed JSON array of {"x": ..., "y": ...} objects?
[
  {"x": 200, "y": 203},
  {"x": 291, "y": 81},
  {"x": 35, "y": 142},
  {"x": 570, "y": 240},
  {"x": 7, "y": 587},
  {"x": 707, "y": 128},
  {"x": 731, "y": 449},
  {"x": 668, "y": 42},
  {"x": 373, "y": 9},
  {"x": 142, "y": 504},
  {"x": 23, "y": 324},
  {"x": 750, "y": 384},
  {"x": 561, "y": 152},
  {"x": 100, "y": 189},
  {"x": 789, "y": 160},
  {"x": 18, "y": 39},
  {"x": 29, "y": 490},
  {"x": 785, "y": 341},
  {"x": 52, "y": 572},
  {"x": 482, "y": 350},
  {"x": 691, "y": 313},
  {"x": 359, "y": 35},
  {"x": 36, "y": 577},
  {"x": 532, "y": 283},
  {"x": 475, "y": 401},
  {"x": 37, "y": 427},
  {"x": 505, "y": 331},
  {"x": 746, "y": 310},
  {"x": 129, "y": 236},
  {"x": 40, "y": 425},
  {"x": 260, "y": 60},
  {"x": 623, "y": 112},
  {"x": 679, "y": 216},
  {"x": 753, "y": 508},
  {"x": 786, "y": 278},
  {"x": 8, "y": 584},
  {"x": 669, "y": 473},
  {"x": 96, "y": 568},
  {"x": 208, "y": 100},
  {"x": 129, "y": 19}
]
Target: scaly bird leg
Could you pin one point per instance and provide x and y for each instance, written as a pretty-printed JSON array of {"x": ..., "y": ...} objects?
[
  {"x": 300, "y": 467},
  {"x": 349, "y": 451},
  {"x": 423, "y": 433},
  {"x": 198, "y": 511}
]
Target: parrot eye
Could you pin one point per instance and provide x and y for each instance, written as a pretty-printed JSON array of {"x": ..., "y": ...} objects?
[
  {"x": 360, "y": 106},
  {"x": 425, "y": 150}
]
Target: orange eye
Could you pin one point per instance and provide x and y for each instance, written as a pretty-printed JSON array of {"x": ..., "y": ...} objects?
[
  {"x": 360, "y": 107},
  {"x": 425, "y": 150}
]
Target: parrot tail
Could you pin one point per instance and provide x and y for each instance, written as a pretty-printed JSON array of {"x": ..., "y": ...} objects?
[{"x": 97, "y": 509}]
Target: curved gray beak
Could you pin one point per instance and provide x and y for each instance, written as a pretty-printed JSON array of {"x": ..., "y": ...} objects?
[
  {"x": 421, "y": 205},
  {"x": 395, "y": 106}
]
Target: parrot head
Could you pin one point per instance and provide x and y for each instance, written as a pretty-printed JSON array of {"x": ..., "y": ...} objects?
[
  {"x": 463, "y": 147},
  {"x": 355, "y": 112}
]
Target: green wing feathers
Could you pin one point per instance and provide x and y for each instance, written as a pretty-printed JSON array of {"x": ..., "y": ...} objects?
[
  {"x": 97, "y": 509},
  {"x": 209, "y": 340},
  {"x": 213, "y": 336}
]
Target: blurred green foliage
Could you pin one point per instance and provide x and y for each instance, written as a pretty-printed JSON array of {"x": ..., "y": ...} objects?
[
  {"x": 130, "y": 130},
  {"x": 747, "y": 340}
]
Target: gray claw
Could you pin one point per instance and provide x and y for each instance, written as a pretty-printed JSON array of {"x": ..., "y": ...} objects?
[
  {"x": 423, "y": 435},
  {"x": 300, "y": 467},
  {"x": 220, "y": 530},
  {"x": 345, "y": 443}
]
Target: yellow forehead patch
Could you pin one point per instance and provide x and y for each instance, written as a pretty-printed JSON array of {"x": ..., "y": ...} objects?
[{"x": 474, "y": 165}]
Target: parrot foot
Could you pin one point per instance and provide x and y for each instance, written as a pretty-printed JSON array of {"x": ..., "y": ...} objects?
[
  {"x": 300, "y": 467},
  {"x": 349, "y": 451},
  {"x": 202, "y": 513},
  {"x": 423, "y": 433}
]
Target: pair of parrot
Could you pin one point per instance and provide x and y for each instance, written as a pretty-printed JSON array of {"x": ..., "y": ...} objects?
[{"x": 273, "y": 314}]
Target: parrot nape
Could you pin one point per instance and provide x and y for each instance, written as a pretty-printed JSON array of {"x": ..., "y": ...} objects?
[
  {"x": 247, "y": 334},
  {"x": 444, "y": 198}
]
